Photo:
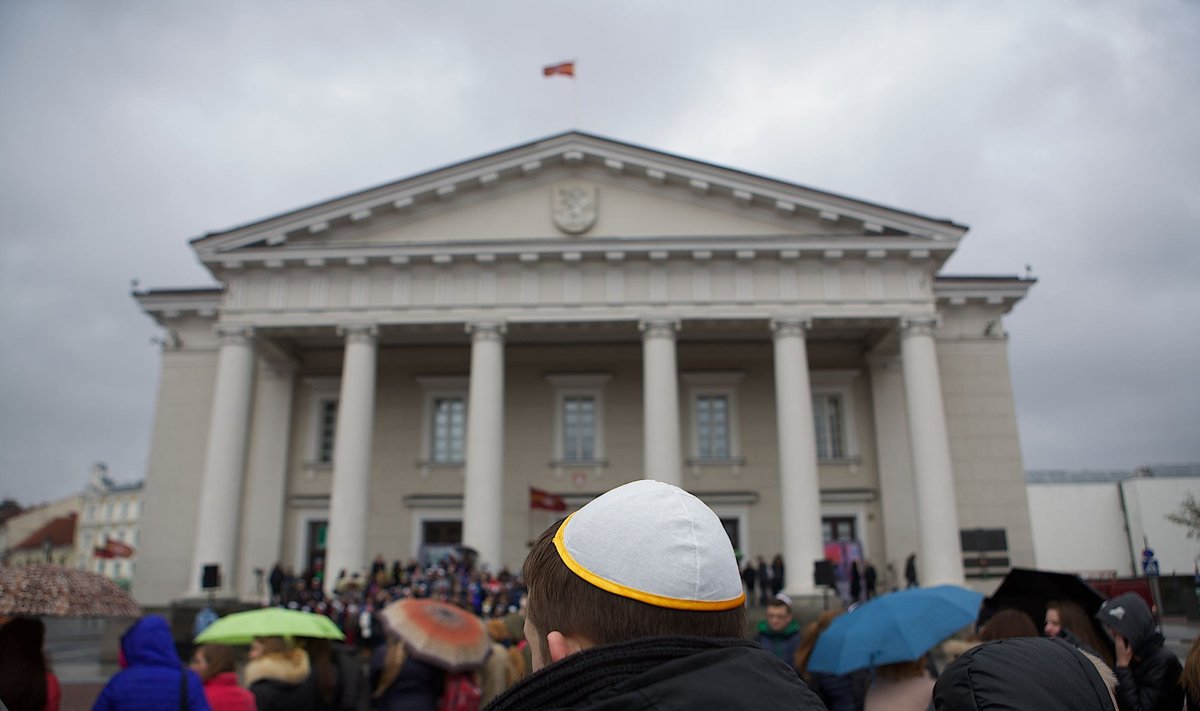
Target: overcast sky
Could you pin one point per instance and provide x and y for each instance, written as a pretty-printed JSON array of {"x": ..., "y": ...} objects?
[{"x": 1066, "y": 134}]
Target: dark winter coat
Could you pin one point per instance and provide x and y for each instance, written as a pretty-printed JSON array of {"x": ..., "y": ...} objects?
[
  {"x": 782, "y": 644},
  {"x": 1151, "y": 681},
  {"x": 417, "y": 688},
  {"x": 664, "y": 674},
  {"x": 841, "y": 692},
  {"x": 1021, "y": 674},
  {"x": 280, "y": 681},
  {"x": 153, "y": 678}
]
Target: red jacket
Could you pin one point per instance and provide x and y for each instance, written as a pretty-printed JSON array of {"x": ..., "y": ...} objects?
[{"x": 224, "y": 694}]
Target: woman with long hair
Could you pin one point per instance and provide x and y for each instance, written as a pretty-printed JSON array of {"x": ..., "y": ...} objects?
[
  {"x": 215, "y": 664},
  {"x": 844, "y": 692},
  {"x": 1067, "y": 620},
  {"x": 400, "y": 683},
  {"x": 26, "y": 682}
]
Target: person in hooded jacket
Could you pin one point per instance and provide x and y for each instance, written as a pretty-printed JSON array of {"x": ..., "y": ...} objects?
[
  {"x": 153, "y": 677},
  {"x": 1147, "y": 673},
  {"x": 1019, "y": 673},
  {"x": 278, "y": 676}
]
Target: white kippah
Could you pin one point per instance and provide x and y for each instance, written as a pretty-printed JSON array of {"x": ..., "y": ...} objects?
[{"x": 654, "y": 543}]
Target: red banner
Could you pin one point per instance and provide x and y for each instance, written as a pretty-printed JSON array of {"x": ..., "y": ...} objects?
[
  {"x": 566, "y": 69},
  {"x": 545, "y": 501}
]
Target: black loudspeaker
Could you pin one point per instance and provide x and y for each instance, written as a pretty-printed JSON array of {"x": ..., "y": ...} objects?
[
  {"x": 823, "y": 573},
  {"x": 210, "y": 579}
]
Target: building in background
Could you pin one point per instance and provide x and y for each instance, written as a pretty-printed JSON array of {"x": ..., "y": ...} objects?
[
  {"x": 109, "y": 530},
  {"x": 20, "y": 528},
  {"x": 1125, "y": 513},
  {"x": 394, "y": 370},
  {"x": 53, "y": 542}
]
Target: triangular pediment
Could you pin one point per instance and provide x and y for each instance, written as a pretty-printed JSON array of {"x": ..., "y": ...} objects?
[{"x": 574, "y": 188}]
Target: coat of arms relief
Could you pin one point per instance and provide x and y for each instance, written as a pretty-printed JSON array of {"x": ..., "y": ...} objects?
[{"x": 573, "y": 207}]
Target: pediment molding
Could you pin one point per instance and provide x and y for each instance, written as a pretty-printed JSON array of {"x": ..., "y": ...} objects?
[{"x": 651, "y": 170}]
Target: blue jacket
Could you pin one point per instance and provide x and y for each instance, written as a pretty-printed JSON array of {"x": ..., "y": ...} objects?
[{"x": 153, "y": 678}]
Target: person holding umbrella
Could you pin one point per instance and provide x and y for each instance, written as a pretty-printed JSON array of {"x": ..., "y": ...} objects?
[{"x": 278, "y": 675}]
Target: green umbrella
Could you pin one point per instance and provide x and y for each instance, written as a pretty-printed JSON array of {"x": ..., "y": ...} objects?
[{"x": 243, "y": 627}]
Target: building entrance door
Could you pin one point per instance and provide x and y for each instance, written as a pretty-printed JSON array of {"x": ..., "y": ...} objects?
[
  {"x": 315, "y": 546},
  {"x": 439, "y": 539}
]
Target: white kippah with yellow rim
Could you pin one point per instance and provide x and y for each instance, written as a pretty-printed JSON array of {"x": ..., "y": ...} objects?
[{"x": 655, "y": 543}]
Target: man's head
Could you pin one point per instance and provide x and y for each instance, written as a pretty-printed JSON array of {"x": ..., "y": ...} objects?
[
  {"x": 643, "y": 560},
  {"x": 779, "y": 613}
]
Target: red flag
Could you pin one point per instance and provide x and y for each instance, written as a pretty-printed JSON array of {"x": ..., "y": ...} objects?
[
  {"x": 545, "y": 501},
  {"x": 117, "y": 549},
  {"x": 567, "y": 69},
  {"x": 102, "y": 552}
]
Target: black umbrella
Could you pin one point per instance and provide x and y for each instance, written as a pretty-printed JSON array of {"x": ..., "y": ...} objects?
[{"x": 1030, "y": 590}]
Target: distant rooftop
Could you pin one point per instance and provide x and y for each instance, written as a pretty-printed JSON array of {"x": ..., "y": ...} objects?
[{"x": 1093, "y": 476}]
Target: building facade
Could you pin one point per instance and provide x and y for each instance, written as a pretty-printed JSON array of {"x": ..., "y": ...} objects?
[
  {"x": 109, "y": 530},
  {"x": 1127, "y": 512},
  {"x": 393, "y": 370},
  {"x": 23, "y": 534}
]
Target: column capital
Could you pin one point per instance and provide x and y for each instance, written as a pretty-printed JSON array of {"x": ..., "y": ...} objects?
[
  {"x": 790, "y": 327},
  {"x": 487, "y": 330},
  {"x": 358, "y": 332},
  {"x": 659, "y": 327},
  {"x": 234, "y": 335},
  {"x": 919, "y": 325}
]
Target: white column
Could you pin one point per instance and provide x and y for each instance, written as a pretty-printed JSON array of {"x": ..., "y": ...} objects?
[
  {"x": 350, "y": 497},
  {"x": 224, "y": 461},
  {"x": 660, "y": 402},
  {"x": 939, "y": 559},
  {"x": 266, "y": 475},
  {"x": 799, "y": 485},
  {"x": 483, "y": 488}
]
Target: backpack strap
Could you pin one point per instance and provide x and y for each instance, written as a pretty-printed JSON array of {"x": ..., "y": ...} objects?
[{"x": 183, "y": 695}]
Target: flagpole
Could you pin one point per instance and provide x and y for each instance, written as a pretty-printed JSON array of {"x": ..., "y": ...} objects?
[{"x": 575, "y": 99}]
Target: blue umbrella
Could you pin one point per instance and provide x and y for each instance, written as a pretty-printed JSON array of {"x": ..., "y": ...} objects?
[{"x": 897, "y": 627}]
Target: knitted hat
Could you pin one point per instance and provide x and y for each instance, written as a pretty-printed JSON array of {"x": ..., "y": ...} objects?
[{"x": 655, "y": 543}]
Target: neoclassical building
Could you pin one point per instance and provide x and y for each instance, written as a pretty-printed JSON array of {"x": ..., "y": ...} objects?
[{"x": 391, "y": 371}]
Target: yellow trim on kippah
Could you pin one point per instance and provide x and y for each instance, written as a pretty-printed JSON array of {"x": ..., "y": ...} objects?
[{"x": 673, "y": 603}]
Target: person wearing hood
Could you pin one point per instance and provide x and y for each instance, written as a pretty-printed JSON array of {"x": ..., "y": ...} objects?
[
  {"x": 1019, "y": 673},
  {"x": 1148, "y": 673},
  {"x": 662, "y": 629},
  {"x": 153, "y": 677},
  {"x": 278, "y": 675},
  {"x": 779, "y": 634}
]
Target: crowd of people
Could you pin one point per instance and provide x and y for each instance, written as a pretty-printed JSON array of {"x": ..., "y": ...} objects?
[{"x": 634, "y": 601}]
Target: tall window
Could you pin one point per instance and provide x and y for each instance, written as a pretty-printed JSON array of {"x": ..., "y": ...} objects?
[
  {"x": 579, "y": 428},
  {"x": 828, "y": 419},
  {"x": 449, "y": 429},
  {"x": 712, "y": 426},
  {"x": 326, "y": 430},
  {"x": 125, "y": 509}
]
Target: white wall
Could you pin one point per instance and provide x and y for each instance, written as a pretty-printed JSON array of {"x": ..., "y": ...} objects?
[
  {"x": 1148, "y": 501},
  {"x": 1079, "y": 528}
]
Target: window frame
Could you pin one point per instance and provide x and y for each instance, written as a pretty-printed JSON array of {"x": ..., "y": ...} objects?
[
  {"x": 434, "y": 388},
  {"x": 569, "y": 385},
  {"x": 721, "y": 384},
  {"x": 321, "y": 390},
  {"x": 840, "y": 384}
]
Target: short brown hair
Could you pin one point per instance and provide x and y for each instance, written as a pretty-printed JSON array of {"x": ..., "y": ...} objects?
[
  {"x": 219, "y": 658},
  {"x": 1007, "y": 624},
  {"x": 560, "y": 600}
]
